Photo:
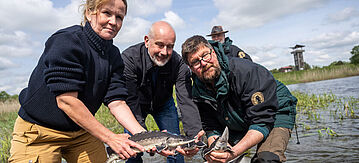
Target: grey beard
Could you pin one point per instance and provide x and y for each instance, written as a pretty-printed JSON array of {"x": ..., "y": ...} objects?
[{"x": 158, "y": 63}]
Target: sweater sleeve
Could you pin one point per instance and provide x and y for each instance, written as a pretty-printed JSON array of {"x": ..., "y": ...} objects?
[
  {"x": 64, "y": 58},
  {"x": 117, "y": 87}
]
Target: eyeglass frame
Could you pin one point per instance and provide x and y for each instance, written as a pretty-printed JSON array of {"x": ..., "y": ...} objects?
[{"x": 199, "y": 62}]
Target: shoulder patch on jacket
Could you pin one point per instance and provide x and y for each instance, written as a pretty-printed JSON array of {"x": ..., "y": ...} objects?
[
  {"x": 257, "y": 98},
  {"x": 241, "y": 54}
]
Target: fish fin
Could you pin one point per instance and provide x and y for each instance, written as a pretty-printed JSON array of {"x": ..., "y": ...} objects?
[
  {"x": 159, "y": 148},
  {"x": 110, "y": 151},
  {"x": 201, "y": 144}
]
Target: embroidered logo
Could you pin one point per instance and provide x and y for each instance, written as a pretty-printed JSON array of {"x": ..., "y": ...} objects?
[
  {"x": 257, "y": 98},
  {"x": 241, "y": 54}
]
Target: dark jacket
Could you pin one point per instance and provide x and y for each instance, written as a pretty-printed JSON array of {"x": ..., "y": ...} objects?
[
  {"x": 233, "y": 51},
  {"x": 74, "y": 59},
  {"x": 285, "y": 116},
  {"x": 244, "y": 97},
  {"x": 148, "y": 98}
]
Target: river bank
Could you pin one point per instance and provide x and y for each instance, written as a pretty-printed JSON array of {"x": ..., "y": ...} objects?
[{"x": 317, "y": 74}]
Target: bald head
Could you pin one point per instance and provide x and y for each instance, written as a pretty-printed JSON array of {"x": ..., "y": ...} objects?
[
  {"x": 160, "y": 29},
  {"x": 160, "y": 41}
]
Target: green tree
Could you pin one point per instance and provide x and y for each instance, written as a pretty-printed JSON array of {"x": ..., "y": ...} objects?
[
  {"x": 306, "y": 66},
  {"x": 274, "y": 70},
  {"x": 4, "y": 96},
  {"x": 355, "y": 55}
]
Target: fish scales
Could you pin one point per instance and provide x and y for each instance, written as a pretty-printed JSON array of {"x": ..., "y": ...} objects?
[{"x": 159, "y": 140}]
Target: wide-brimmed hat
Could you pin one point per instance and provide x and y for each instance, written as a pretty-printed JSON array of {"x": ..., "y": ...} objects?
[{"x": 217, "y": 30}]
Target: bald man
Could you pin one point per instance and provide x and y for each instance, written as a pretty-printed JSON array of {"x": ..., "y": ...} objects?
[{"x": 152, "y": 68}]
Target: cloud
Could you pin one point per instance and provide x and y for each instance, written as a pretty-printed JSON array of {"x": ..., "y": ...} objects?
[
  {"x": 334, "y": 40},
  {"x": 242, "y": 14},
  {"x": 325, "y": 56},
  {"x": 147, "y": 7},
  {"x": 269, "y": 55},
  {"x": 176, "y": 21},
  {"x": 329, "y": 47},
  {"x": 5, "y": 64},
  {"x": 37, "y": 15},
  {"x": 12, "y": 84},
  {"x": 133, "y": 30},
  {"x": 343, "y": 15},
  {"x": 15, "y": 44}
]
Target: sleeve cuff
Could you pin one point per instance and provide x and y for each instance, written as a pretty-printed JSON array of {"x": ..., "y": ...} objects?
[
  {"x": 261, "y": 128},
  {"x": 212, "y": 133}
]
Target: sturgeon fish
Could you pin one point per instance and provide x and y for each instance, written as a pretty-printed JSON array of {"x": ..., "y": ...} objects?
[
  {"x": 159, "y": 140},
  {"x": 221, "y": 145}
]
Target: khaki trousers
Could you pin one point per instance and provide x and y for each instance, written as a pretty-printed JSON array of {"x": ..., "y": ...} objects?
[
  {"x": 276, "y": 142},
  {"x": 34, "y": 143}
]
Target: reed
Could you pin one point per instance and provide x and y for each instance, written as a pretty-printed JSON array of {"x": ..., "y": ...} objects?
[
  {"x": 9, "y": 106},
  {"x": 318, "y": 74}
]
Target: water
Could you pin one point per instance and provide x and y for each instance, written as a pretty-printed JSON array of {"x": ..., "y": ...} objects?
[
  {"x": 312, "y": 147},
  {"x": 342, "y": 87}
]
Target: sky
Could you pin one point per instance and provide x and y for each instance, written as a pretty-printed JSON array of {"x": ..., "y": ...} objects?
[{"x": 264, "y": 29}]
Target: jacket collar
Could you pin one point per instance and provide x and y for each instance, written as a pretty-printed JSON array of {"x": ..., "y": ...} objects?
[
  {"x": 227, "y": 44},
  {"x": 149, "y": 63},
  {"x": 200, "y": 90},
  {"x": 146, "y": 56},
  {"x": 95, "y": 40}
]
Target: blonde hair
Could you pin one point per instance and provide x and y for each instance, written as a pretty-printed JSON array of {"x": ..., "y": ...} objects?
[{"x": 93, "y": 6}]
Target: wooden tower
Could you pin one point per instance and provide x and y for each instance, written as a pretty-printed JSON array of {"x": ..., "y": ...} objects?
[{"x": 298, "y": 56}]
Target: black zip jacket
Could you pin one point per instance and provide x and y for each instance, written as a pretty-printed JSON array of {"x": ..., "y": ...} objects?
[{"x": 144, "y": 97}]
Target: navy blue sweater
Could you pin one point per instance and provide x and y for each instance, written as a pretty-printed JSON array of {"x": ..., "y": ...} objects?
[{"x": 74, "y": 59}]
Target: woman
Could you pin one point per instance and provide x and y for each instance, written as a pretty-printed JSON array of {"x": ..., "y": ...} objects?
[{"x": 79, "y": 70}]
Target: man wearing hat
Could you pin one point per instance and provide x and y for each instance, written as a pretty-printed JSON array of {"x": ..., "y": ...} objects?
[{"x": 218, "y": 34}]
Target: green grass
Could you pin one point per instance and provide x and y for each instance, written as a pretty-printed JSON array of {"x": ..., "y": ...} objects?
[{"x": 7, "y": 120}]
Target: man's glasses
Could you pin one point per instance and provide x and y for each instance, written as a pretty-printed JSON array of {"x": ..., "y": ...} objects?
[{"x": 206, "y": 57}]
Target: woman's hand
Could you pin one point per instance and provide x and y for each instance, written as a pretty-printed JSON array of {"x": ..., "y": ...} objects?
[{"x": 122, "y": 146}]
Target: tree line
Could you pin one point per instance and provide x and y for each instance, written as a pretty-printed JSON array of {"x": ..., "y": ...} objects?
[{"x": 5, "y": 96}]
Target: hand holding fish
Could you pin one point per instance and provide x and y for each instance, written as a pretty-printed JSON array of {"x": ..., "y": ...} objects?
[
  {"x": 219, "y": 156},
  {"x": 120, "y": 144},
  {"x": 220, "y": 151},
  {"x": 191, "y": 151}
]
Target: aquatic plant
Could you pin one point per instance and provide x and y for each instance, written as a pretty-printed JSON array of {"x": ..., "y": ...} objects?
[{"x": 329, "y": 131}]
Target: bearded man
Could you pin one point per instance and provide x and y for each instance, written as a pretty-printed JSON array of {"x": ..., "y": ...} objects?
[{"x": 152, "y": 68}]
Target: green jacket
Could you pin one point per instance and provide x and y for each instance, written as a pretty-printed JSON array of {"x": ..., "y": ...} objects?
[
  {"x": 285, "y": 116},
  {"x": 232, "y": 103}
]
